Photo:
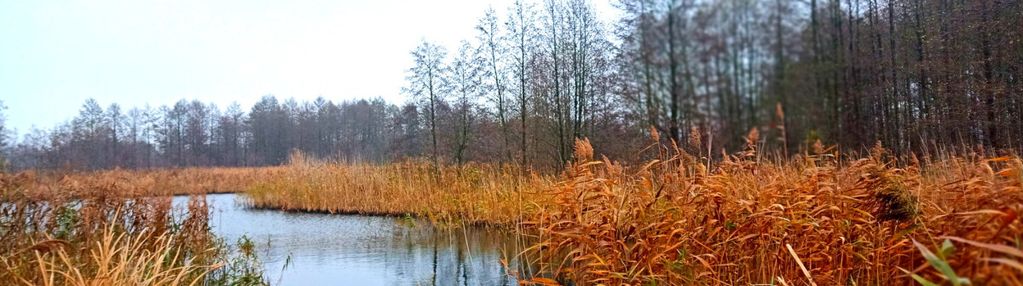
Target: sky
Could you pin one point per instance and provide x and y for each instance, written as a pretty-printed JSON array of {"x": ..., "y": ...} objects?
[{"x": 55, "y": 54}]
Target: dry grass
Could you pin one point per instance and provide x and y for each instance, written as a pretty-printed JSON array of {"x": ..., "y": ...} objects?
[
  {"x": 810, "y": 221},
  {"x": 681, "y": 220},
  {"x": 119, "y": 259},
  {"x": 472, "y": 194},
  {"x": 677, "y": 219},
  {"x": 134, "y": 183},
  {"x": 112, "y": 228}
]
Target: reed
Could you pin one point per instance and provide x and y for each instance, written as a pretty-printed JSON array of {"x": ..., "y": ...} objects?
[
  {"x": 471, "y": 194},
  {"x": 118, "y": 259},
  {"x": 817, "y": 218},
  {"x": 814, "y": 220},
  {"x": 680, "y": 219},
  {"x": 102, "y": 229},
  {"x": 151, "y": 182}
]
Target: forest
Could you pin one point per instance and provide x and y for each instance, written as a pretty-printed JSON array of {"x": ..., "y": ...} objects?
[{"x": 917, "y": 76}]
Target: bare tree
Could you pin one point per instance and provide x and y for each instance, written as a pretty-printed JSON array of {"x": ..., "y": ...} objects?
[
  {"x": 466, "y": 73},
  {"x": 521, "y": 33},
  {"x": 428, "y": 80},
  {"x": 492, "y": 41}
]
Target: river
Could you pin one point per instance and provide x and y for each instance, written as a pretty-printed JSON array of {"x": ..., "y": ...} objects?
[{"x": 326, "y": 249}]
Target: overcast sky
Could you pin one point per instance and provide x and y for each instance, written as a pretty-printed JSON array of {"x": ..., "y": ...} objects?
[{"x": 54, "y": 54}]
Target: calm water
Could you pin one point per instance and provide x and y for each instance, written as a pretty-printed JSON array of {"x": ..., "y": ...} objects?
[{"x": 361, "y": 250}]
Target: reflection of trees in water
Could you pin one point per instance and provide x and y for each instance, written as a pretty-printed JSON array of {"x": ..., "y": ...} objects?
[
  {"x": 428, "y": 256},
  {"x": 377, "y": 249}
]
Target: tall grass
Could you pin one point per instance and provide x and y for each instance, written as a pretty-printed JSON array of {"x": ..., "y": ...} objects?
[
  {"x": 681, "y": 219},
  {"x": 471, "y": 194},
  {"x": 118, "y": 259},
  {"x": 814, "y": 220},
  {"x": 107, "y": 229},
  {"x": 153, "y": 182}
]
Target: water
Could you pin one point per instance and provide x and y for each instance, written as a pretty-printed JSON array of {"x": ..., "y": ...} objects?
[{"x": 323, "y": 249}]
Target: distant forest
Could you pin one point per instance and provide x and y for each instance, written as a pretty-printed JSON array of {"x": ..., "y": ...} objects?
[{"x": 915, "y": 75}]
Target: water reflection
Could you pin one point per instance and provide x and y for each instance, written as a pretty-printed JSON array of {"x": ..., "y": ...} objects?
[{"x": 359, "y": 250}]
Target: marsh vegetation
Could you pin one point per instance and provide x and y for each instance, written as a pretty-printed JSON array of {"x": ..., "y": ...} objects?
[
  {"x": 749, "y": 218},
  {"x": 104, "y": 229}
]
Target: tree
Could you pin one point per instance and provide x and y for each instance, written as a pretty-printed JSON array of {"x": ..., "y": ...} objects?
[
  {"x": 466, "y": 71},
  {"x": 89, "y": 137},
  {"x": 492, "y": 42},
  {"x": 407, "y": 132},
  {"x": 115, "y": 118},
  {"x": 638, "y": 55},
  {"x": 428, "y": 81},
  {"x": 230, "y": 128},
  {"x": 267, "y": 121},
  {"x": 520, "y": 31}
]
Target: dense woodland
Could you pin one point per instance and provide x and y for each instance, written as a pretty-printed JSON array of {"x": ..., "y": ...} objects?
[{"x": 915, "y": 75}]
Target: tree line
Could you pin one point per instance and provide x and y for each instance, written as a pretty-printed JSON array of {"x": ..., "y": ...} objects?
[
  {"x": 193, "y": 133},
  {"x": 914, "y": 75}
]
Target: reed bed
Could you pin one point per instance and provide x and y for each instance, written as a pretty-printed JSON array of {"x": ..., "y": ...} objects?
[
  {"x": 468, "y": 195},
  {"x": 153, "y": 182},
  {"x": 116, "y": 259},
  {"x": 814, "y": 220},
  {"x": 103, "y": 229},
  {"x": 680, "y": 219}
]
